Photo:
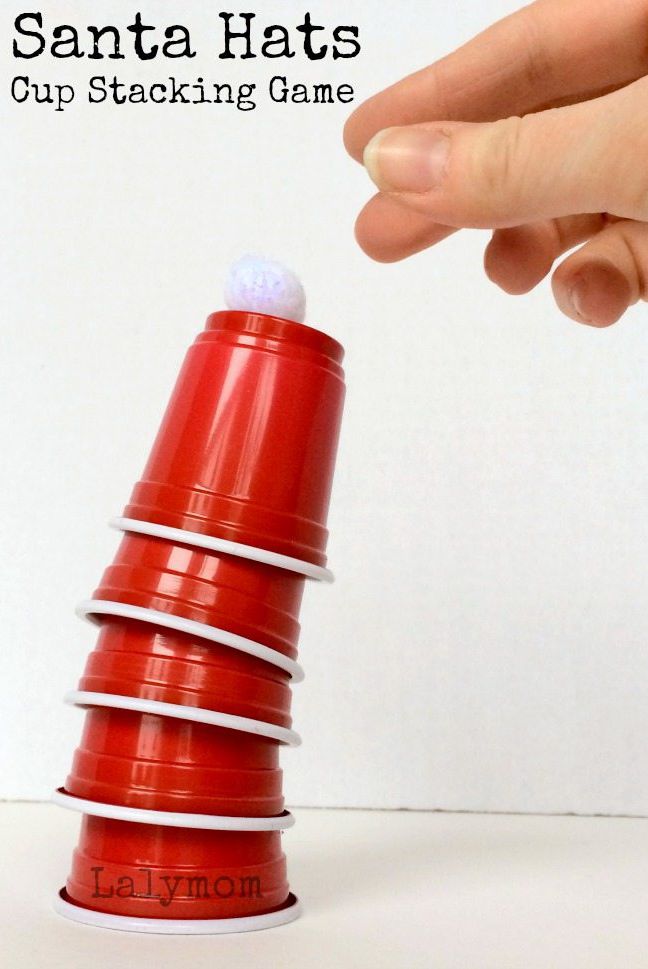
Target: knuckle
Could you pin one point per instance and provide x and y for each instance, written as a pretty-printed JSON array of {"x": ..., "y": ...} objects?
[
  {"x": 621, "y": 145},
  {"x": 631, "y": 180},
  {"x": 537, "y": 67},
  {"x": 502, "y": 163},
  {"x": 439, "y": 86}
]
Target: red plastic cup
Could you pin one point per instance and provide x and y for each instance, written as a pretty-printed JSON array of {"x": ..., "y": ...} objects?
[
  {"x": 247, "y": 446},
  {"x": 256, "y": 601},
  {"x": 153, "y": 871},
  {"x": 139, "y": 659},
  {"x": 163, "y": 763}
]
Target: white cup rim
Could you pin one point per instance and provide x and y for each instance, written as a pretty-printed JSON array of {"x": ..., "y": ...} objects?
[
  {"x": 116, "y": 701},
  {"x": 172, "y": 819},
  {"x": 90, "y": 608},
  {"x": 263, "y": 555}
]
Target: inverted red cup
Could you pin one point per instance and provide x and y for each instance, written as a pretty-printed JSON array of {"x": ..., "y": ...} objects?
[
  {"x": 160, "y": 763},
  {"x": 249, "y": 599},
  {"x": 139, "y": 659},
  {"x": 247, "y": 446},
  {"x": 153, "y": 871}
]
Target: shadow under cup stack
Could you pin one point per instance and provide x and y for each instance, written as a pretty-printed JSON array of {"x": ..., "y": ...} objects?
[{"x": 187, "y": 691}]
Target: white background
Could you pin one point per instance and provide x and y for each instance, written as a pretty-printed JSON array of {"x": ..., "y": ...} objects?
[{"x": 484, "y": 645}]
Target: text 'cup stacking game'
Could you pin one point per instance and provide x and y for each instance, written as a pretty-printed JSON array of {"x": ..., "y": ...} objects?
[{"x": 187, "y": 691}]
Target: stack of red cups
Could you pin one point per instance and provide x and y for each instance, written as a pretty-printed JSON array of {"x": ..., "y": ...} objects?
[{"x": 188, "y": 689}]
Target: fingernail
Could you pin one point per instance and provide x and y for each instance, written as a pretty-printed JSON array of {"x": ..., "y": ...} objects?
[
  {"x": 407, "y": 159},
  {"x": 599, "y": 294},
  {"x": 577, "y": 296}
]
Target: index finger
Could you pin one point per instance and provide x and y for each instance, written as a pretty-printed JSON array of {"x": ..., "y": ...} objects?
[{"x": 550, "y": 50}]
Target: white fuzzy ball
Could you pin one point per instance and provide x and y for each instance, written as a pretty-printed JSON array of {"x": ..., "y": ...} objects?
[{"x": 261, "y": 285}]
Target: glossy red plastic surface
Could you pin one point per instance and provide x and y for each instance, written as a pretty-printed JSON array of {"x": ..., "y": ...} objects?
[
  {"x": 151, "y": 871},
  {"x": 166, "y": 764},
  {"x": 139, "y": 659},
  {"x": 247, "y": 446},
  {"x": 252, "y": 600}
]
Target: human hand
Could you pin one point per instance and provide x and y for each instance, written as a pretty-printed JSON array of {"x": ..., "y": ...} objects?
[{"x": 537, "y": 129}]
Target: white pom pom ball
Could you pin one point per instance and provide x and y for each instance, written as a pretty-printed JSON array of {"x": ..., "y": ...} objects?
[{"x": 261, "y": 285}]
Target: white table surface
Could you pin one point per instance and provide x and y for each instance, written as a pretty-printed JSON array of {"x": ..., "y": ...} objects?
[{"x": 379, "y": 889}]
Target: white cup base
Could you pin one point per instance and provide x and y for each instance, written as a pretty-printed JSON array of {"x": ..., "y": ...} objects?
[{"x": 125, "y": 923}]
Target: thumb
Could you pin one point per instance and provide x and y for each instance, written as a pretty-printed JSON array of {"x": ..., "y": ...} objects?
[{"x": 583, "y": 158}]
